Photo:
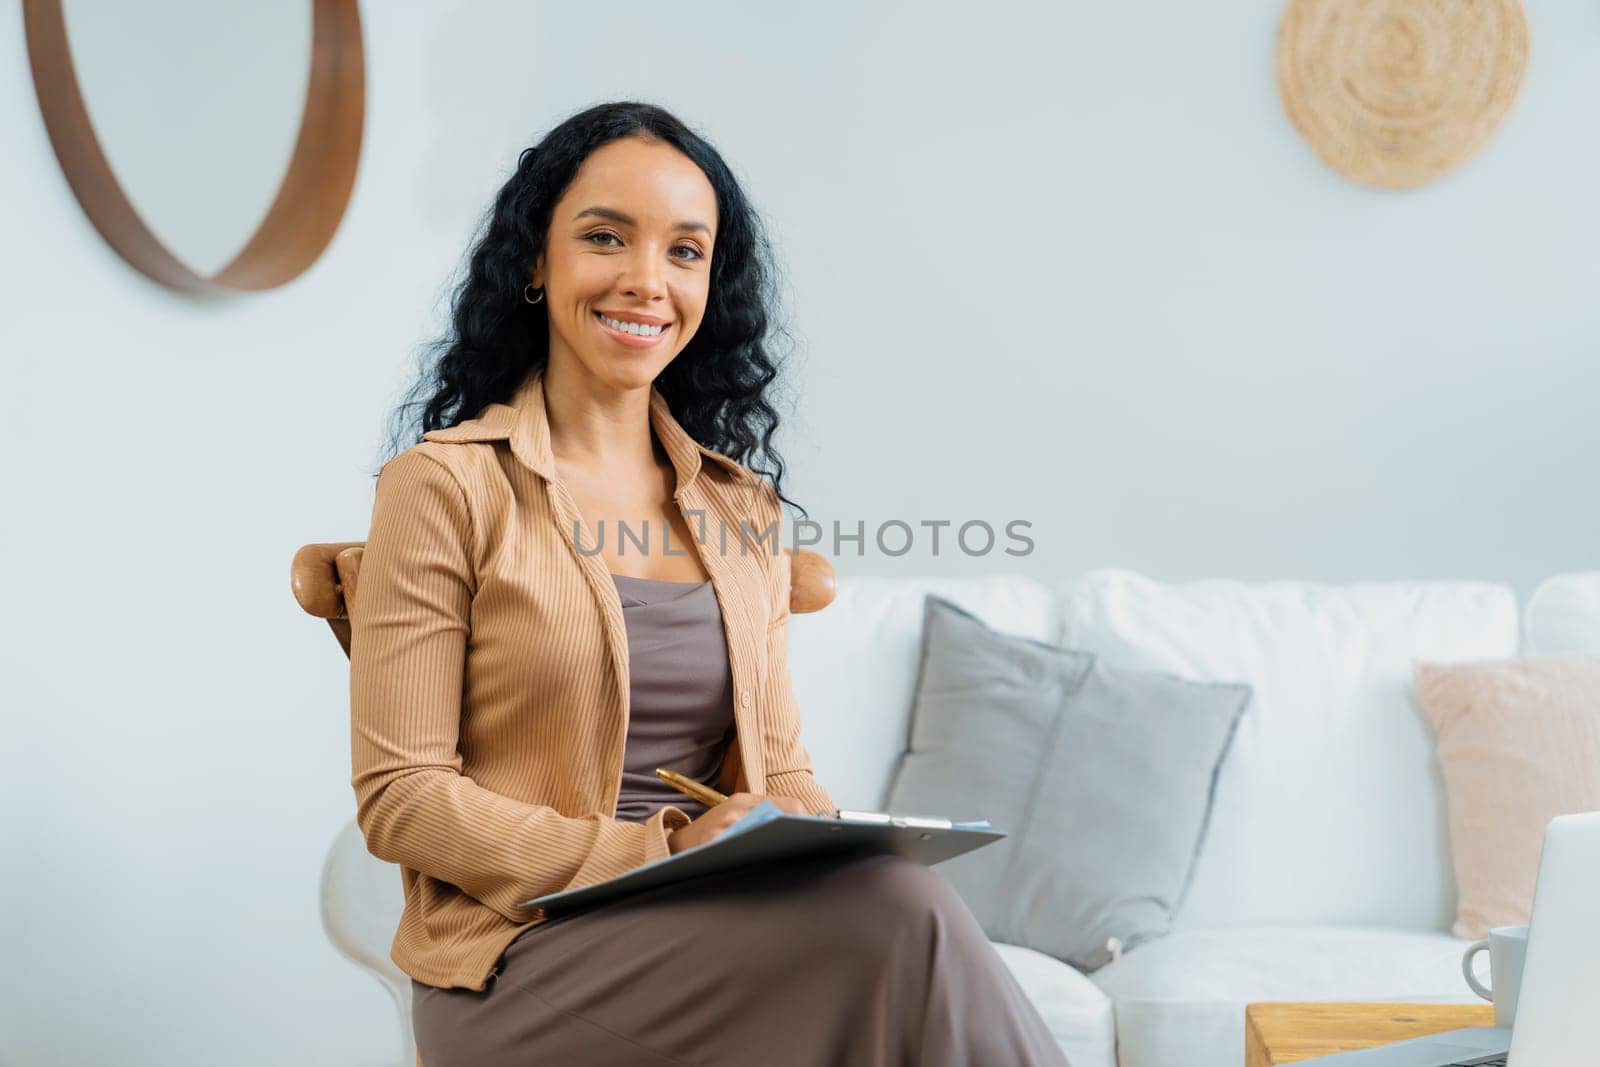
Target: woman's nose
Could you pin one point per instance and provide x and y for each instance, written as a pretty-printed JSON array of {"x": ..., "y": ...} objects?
[{"x": 644, "y": 276}]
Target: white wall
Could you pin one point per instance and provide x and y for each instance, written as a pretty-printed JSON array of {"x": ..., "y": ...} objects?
[{"x": 1065, "y": 263}]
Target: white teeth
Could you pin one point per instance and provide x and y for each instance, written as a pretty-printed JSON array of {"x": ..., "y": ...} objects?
[{"x": 631, "y": 327}]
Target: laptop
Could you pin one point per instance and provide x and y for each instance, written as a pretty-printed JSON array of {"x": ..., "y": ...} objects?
[{"x": 1558, "y": 1024}]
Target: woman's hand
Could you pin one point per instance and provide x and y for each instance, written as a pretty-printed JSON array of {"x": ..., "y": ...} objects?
[{"x": 718, "y": 818}]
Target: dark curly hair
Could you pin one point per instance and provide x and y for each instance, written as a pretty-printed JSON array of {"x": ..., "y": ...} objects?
[{"x": 718, "y": 387}]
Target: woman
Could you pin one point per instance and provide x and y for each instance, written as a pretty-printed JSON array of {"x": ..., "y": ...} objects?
[{"x": 517, "y": 673}]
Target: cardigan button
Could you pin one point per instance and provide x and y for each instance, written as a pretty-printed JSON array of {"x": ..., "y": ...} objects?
[{"x": 744, "y": 697}]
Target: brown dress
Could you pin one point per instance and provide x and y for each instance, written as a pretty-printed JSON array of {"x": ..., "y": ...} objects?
[{"x": 870, "y": 960}]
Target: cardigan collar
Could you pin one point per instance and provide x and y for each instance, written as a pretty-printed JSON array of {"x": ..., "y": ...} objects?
[{"x": 525, "y": 423}]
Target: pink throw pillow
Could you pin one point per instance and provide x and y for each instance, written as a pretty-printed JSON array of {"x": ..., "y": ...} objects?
[{"x": 1518, "y": 742}]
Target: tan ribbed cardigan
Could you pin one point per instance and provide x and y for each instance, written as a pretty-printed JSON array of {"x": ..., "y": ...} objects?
[{"x": 489, "y": 678}]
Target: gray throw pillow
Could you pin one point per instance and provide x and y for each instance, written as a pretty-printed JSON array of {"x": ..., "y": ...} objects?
[{"x": 1101, "y": 777}]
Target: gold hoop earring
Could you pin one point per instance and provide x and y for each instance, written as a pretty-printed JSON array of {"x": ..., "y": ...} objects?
[{"x": 529, "y": 299}]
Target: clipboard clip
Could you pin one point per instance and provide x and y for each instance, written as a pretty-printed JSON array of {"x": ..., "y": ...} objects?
[{"x": 884, "y": 818}]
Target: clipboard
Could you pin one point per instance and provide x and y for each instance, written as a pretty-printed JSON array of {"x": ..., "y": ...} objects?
[{"x": 767, "y": 833}]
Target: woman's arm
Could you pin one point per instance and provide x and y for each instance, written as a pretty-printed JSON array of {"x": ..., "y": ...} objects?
[
  {"x": 789, "y": 771},
  {"x": 408, "y": 641}
]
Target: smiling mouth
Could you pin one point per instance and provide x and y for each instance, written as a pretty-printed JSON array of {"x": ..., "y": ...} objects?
[{"x": 632, "y": 329}]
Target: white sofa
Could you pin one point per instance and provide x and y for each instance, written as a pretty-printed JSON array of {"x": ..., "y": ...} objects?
[{"x": 1325, "y": 874}]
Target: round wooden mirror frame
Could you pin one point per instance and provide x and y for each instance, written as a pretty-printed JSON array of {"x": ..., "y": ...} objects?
[{"x": 315, "y": 190}]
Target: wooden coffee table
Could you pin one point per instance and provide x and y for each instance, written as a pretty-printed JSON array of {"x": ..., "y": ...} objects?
[{"x": 1287, "y": 1032}]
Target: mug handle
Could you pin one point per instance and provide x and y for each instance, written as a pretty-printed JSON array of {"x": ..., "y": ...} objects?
[{"x": 1472, "y": 979}]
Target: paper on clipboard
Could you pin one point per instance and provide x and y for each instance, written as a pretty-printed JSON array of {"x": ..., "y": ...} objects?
[{"x": 767, "y": 834}]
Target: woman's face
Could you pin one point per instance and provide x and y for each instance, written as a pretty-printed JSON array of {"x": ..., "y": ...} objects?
[{"x": 630, "y": 240}]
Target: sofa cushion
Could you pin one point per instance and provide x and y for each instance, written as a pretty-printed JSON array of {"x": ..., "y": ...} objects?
[
  {"x": 1078, "y": 1013},
  {"x": 1519, "y": 743},
  {"x": 1563, "y": 616},
  {"x": 1329, "y": 808},
  {"x": 854, "y": 665},
  {"x": 1181, "y": 999},
  {"x": 1101, "y": 777}
]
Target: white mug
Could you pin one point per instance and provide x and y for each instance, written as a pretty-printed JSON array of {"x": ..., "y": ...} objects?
[{"x": 1508, "y": 948}]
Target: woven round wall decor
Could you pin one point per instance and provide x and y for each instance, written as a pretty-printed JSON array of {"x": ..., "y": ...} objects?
[{"x": 1396, "y": 93}]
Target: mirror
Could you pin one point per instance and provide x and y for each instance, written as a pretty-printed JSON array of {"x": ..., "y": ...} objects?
[{"x": 213, "y": 143}]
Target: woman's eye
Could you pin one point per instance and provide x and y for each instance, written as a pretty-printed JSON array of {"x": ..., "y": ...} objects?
[{"x": 597, "y": 236}]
